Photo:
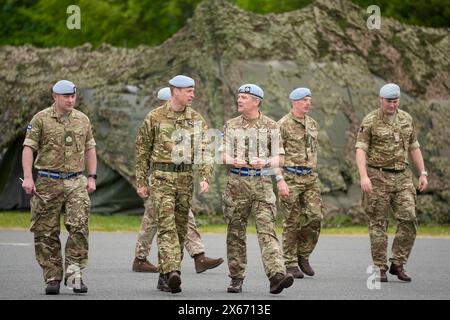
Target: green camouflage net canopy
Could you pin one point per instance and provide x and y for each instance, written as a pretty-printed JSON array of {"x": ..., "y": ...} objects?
[{"x": 325, "y": 46}]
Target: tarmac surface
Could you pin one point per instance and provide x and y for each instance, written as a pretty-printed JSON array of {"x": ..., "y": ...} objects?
[{"x": 340, "y": 263}]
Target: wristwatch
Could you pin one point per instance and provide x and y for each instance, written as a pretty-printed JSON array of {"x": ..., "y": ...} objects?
[
  {"x": 424, "y": 173},
  {"x": 279, "y": 178},
  {"x": 93, "y": 176}
]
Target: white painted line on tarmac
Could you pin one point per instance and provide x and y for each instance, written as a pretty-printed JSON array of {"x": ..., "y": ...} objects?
[{"x": 15, "y": 244}]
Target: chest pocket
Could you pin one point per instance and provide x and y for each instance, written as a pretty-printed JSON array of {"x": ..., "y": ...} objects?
[
  {"x": 383, "y": 136},
  {"x": 405, "y": 133},
  {"x": 53, "y": 136},
  {"x": 311, "y": 140},
  {"x": 165, "y": 135},
  {"x": 79, "y": 139}
]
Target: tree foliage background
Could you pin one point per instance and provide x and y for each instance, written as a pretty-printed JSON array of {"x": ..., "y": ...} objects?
[{"x": 129, "y": 23}]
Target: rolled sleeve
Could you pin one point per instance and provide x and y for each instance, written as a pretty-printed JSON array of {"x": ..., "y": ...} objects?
[
  {"x": 362, "y": 145},
  {"x": 90, "y": 141},
  {"x": 413, "y": 142},
  {"x": 90, "y": 144},
  {"x": 33, "y": 134},
  {"x": 363, "y": 137},
  {"x": 415, "y": 145}
]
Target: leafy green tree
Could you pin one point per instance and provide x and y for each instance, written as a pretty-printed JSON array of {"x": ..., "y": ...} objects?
[{"x": 129, "y": 23}]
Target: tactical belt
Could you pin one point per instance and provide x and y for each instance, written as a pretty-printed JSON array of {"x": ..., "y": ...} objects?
[
  {"x": 58, "y": 175},
  {"x": 387, "y": 169},
  {"x": 171, "y": 167},
  {"x": 299, "y": 170},
  {"x": 248, "y": 172}
]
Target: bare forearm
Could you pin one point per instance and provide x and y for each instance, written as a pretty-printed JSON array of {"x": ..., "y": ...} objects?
[
  {"x": 361, "y": 162},
  {"x": 277, "y": 161},
  {"x": 227, "y": 159},
  {"x": 27, "y": 162},
  {"x": 91, "y": 161},
  {"x": 417, "y": 158}
]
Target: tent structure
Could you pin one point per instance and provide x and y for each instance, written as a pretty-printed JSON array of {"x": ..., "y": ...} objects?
[
  {"x": 113, "y": 194},
  {"x": 325, "y": 46}
]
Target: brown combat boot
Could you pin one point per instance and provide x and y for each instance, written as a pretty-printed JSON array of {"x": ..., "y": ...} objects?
[
  {"x": 235, "y": 285},
  {"x": 174, "y": 281},
  {"x": 162, "y": 284},
  {"x": 305, "y": 266},
  {"x": 383, "y": 276},
  {"x": 52, "y": 287},
  {"x": 140, "y": 265},
  {"x": 203, "y": 263},
  {"x": 400, "y": 272},
  {"x": 295, "y": 271},
  {"x": 280, "y": 281}
]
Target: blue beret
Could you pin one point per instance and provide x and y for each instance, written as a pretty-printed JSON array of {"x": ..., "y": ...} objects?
[
  {"x": 390, "y": 91},
  {"x": 299, "y": 93},
  {"x": 181, "y": 81},
  {"x": 164, "y": 94},
  {"x": 64, "y": 87},
  {"x": 252, "y": 89}
]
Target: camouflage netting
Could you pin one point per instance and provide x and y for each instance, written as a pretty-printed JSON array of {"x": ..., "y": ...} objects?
[{"x": 326, "y": 46}]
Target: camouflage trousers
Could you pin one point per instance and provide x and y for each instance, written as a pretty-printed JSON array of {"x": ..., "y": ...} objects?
[
  {"x": 244, "y": 196},
  {"x": 396, "y": 192},
  {"x": 70, "y": 198},
  {"x": 170, "y": 196},
  {"x": 193, "y": 244},
  {"x": 302, "y": 217}
]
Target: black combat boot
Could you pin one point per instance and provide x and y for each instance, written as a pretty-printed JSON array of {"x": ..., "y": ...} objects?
[{"x": 52, "y": 287}]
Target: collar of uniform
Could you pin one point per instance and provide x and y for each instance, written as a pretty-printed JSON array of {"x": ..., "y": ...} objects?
[
  {"x": 385, "y": 118},
  {"x": 171, "y": 113},
  {"x": 304, "y": 123},
  {"x": 243, "y": 119},
  {"x": 55, "y": 114}
]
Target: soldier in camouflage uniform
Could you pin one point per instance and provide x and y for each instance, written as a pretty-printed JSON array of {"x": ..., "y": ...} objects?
[
  {"x": 165, "y": 148},
  {"x": 385, "y": 138},
  {"x": 63, "y": 140},
  {"x": 194, "y": 244},
  {"x": 299, "y": 186},
  {"x": 251, "y": 148}
]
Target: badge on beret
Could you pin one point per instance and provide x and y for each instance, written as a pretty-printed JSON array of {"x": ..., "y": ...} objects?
[
  {"x": 247, "y": 89},
  {"x": 29, "y": 126}
]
